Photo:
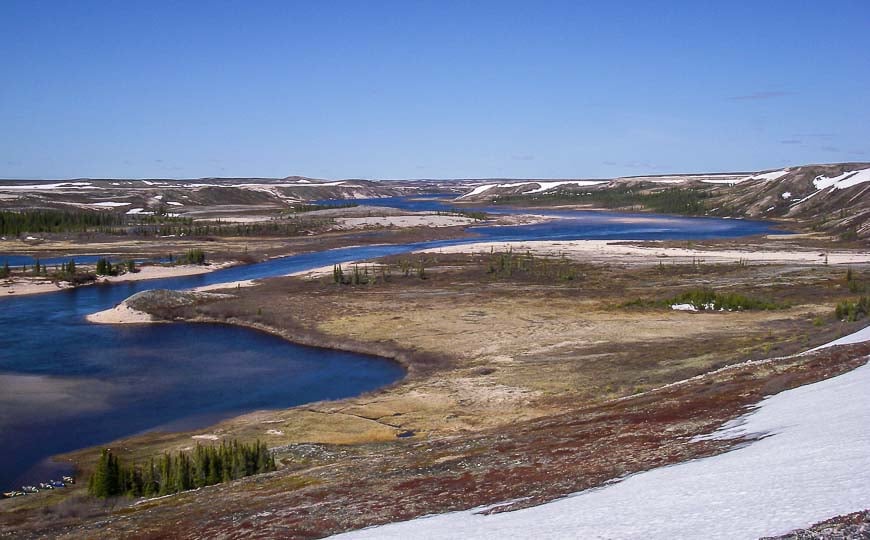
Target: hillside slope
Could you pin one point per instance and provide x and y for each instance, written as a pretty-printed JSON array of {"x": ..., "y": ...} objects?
[
  {"x": 180, "y": 196},
  {"x": 833, "y": 198}
]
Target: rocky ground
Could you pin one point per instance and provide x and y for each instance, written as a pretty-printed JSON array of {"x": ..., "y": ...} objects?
[{"x": 852, "y": 526}]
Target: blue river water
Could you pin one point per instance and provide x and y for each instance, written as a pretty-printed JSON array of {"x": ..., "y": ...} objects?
[{"x": 67, "y": 384}]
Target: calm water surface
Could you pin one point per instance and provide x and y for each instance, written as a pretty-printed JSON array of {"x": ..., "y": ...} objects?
[{"x": 67, "y": 384}]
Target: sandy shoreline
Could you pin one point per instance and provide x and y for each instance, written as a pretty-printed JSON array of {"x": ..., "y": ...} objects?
[
  {"x": 616, "y": 251},
  {"x": 19, "y": 286},
  {"x": 120, "y": 314},
  {"x": 585, "y": 250},
  {"x": 411, "y": 220},
  {"x": 26, "y": 286},
  {"x": 158, "y": 272}
]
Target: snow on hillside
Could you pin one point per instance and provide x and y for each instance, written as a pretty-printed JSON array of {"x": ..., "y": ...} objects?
[
  {"x": 39, "y": 187},
  {"x": 843, "y": 181},
  {"x": 544, "y": 186},
  {"x": 110, "y": 204},
  {"x": 485, "y": 187},
  {"x": 772, "y": 175},
  {"x": 813, "y": 464}
]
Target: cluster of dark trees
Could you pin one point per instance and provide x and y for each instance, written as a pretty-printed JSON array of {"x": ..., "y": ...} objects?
[
  {"x": 706, "y": 299},
  {"x": 106, "y": 268},
  {"x": 473, "y": 214},
  {"x": 855, "y": 285},
  {"x": 218, "y": 228},
  {"x": 15, "y": 223},
  {"x": 172, "y": 473},
  {"x": 666, "y": 201},
  {"x": 160, "y": 224},
  {"x": 363, "y": 276},
  {"x": 507, "y": 264},
  {"x": 377, "y": 273},
  {"x": 299, "y": 208},
  {"x": 41, "y": 221},
  {"x": 193, "y": 256},
  {"x": 851, "y": 311}
]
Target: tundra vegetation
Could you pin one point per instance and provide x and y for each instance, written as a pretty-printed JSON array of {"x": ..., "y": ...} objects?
[{"x": 539, "y": 346}]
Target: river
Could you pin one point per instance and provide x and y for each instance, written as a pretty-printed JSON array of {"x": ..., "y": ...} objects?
[{"x": 68, "y": 384}]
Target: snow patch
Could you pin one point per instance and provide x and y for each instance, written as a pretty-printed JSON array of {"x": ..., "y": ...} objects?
[
  {"x": 786, "y": 195},
  {"x": 772, "y": 175},
  {"x": 813, "y": 463},
  {"x": 59, "y": 185},
  {"x": 683, "y": 307},
  {"x": 110, "y": 204},
  {"x": 173, "y": 203},
  {"x": 478, "y": 190},
  {"x": 843, "y": 181},
  {"x": 544, "y": 186}
]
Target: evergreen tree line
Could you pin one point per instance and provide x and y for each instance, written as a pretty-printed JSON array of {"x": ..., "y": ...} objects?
[
  {"x": 16, "y": 223},
  {"x": 667, "y": 201},
  {"x": 218, "y": 228},
  {"x": 173, "y": 473},
  {"x": 62, "y": 221},
  {"x": 106, "y": 268},
  {"x": 40, "y": 221},
  {"x": 300, "y": 208}
]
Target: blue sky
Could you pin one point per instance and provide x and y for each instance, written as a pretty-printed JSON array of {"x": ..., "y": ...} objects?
[{"x": 415, "y": 89}]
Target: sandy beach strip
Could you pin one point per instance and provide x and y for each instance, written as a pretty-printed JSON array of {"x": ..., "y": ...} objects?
[
  {"x": 414, "y": 220},
  {"x": 120, "y": 314},
  {"x": 20, "y": 286},
  {"x": 158, "y": 272},
  {"x": 227, "y": 285},
  {"x": 616, "y": 251}
]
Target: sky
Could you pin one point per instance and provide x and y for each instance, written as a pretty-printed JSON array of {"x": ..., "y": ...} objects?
[{"x": 420, "y": 89}]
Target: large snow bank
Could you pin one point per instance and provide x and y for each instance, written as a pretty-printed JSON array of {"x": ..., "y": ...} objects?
[
  {"x": 814, "y": 464},
  {"x": 37, "y": 187},
  {"x": 772, "y": 175},
  {"x": 110, "y": 204},
  {"x": 847, "y": 179},
  {"x": 544, "y": 186},
  {"x": 479, "y": 189}
]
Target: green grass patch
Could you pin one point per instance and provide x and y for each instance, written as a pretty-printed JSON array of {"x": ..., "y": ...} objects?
[
  {"x": 851, "y": 311},
  {"x": 705, "y": 299}
]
